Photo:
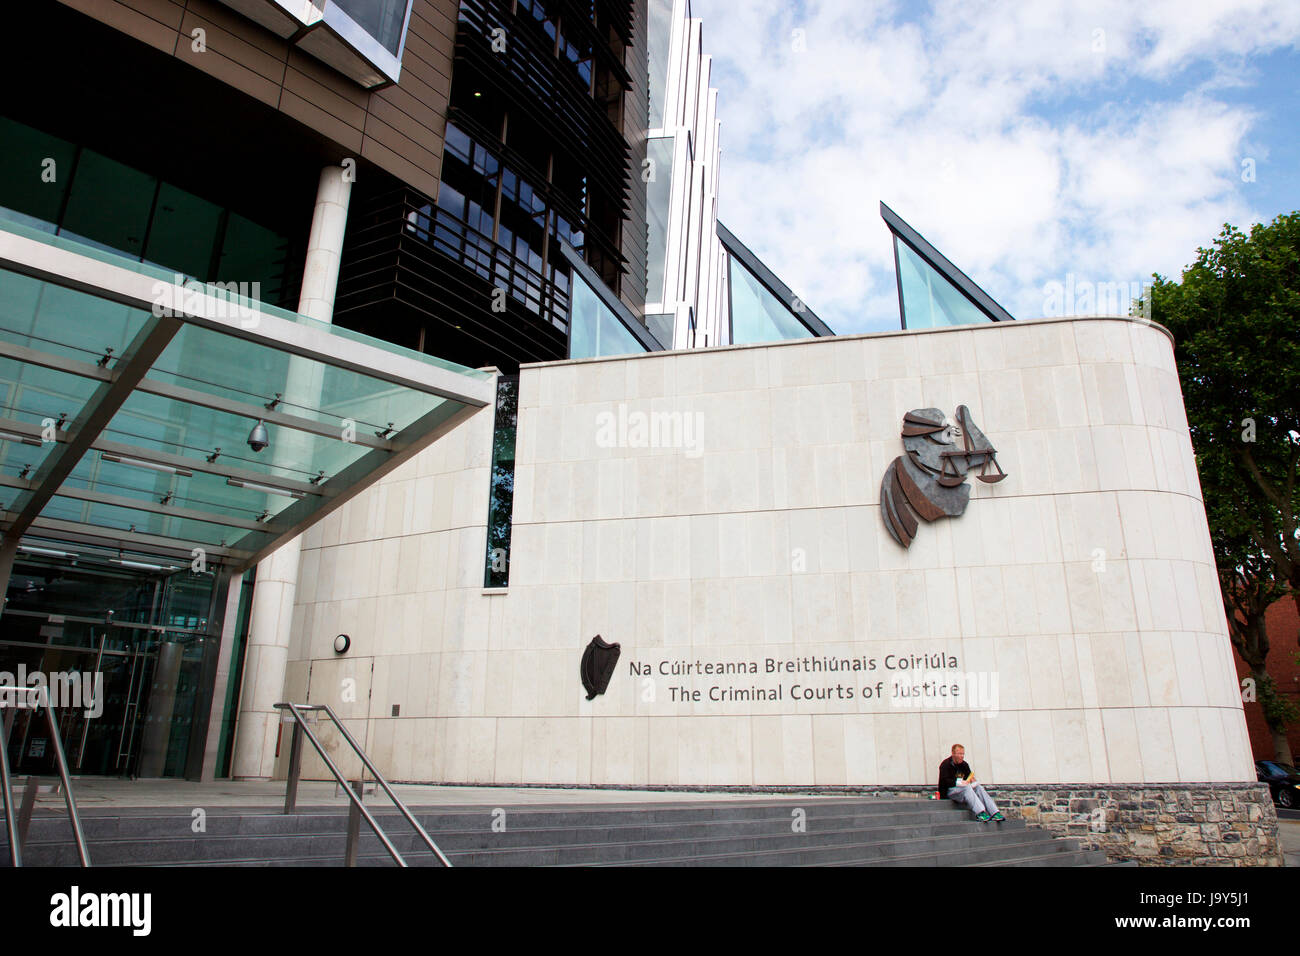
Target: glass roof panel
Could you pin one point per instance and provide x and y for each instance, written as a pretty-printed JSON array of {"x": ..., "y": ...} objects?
[
  {"x": 18, "y": 460},
  {"x": 187, "y": 531},
  {"x": 234, "y": 368},
  {"x": 198, "y": 491},
  {"x": 32, "y": 394},
  {"x": 174, "y": 427},
  {"x": 62, "y": 321}
]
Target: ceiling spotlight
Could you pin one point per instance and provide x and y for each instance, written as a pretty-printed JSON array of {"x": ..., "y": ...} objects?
[{"x": 258, "y": 438}]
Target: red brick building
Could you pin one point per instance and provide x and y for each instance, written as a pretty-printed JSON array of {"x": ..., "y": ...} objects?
[{"x": 1283, "y": 624}]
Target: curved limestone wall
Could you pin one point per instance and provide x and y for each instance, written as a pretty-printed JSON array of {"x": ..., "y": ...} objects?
[{"x": 716, "y": 513}]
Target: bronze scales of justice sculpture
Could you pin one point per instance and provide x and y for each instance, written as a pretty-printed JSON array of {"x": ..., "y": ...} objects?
[{"x": 929, "y": 481}]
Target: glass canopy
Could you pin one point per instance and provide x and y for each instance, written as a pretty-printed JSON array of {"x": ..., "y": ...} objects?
[{"x": 131, "y": 407}]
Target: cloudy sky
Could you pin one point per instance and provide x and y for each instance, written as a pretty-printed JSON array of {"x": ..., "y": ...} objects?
[{"x": 1028, "y": 141}]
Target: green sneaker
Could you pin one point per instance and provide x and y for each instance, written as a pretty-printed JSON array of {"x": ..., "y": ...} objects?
[
  {"x": 983, "y": 818},
  {"x": 999, "y": 818}
]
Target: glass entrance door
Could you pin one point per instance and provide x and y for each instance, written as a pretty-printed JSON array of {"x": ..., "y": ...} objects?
[
  {"x": 128, "y": 655},
  {"x": 126, "y": 698},
  {"x": 98, "y": 688}
]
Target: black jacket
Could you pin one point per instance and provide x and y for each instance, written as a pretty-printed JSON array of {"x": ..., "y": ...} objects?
[{"x": 949, "y": 773}]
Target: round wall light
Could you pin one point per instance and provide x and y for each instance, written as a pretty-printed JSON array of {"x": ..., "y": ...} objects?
[{"x": 342, "y": 643}]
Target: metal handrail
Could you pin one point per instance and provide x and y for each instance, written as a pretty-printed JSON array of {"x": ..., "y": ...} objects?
[
  {"x": 11, "y": 823},
  {"x": 295, "y": 771},
  {"x": 7, "y": 791}
]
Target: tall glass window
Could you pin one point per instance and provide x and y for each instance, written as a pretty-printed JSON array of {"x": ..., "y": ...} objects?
[
  {"x": 658, "y": 204},
  {"x": 502, "y": 222},
  {"x": 35, "y": 169},
  {"x": 49, "y": 184},
  {"x": 502, "y": 495},
  {"x": 110, "y": 205},
  {"x": 659, "y": 40}
]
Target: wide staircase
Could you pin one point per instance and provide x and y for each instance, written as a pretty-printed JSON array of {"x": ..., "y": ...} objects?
[{"x": 810, "y": 831}]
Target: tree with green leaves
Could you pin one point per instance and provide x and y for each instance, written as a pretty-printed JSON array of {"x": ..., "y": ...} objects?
[
  {"x": 1249, "y": 583},
  {"x": 1234, "y": 318}
]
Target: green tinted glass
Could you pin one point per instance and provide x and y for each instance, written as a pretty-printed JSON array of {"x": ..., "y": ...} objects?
[
  {"x": 35, "y": 170},
  {"x": 109, "y": 205},
  {"x": 594, "y": 328},
  {"x": 756, "y": 314},
  {"x": 183, "y": 233},
  {"x": 930, "y": 300}
]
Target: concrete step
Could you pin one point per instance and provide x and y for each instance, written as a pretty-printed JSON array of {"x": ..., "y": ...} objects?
[
  {"x": 111, "y": 849},
  {"x": 520, "y": 847},
  {"x": 96, "y": 826},
  {"x": 836, "y": 832}
]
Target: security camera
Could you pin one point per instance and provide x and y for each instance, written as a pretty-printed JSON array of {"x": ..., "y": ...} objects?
[{"x": 258, "y": 437}]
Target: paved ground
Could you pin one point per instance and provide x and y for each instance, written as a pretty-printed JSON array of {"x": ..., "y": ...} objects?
[
  {"x": 106, "y": 792},
  {"x": 1289, "y": 833}
]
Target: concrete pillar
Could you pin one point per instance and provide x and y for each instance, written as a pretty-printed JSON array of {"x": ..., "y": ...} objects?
[
  {"x": 271, "y": 615},
  {"x": 221, "y": 679}
]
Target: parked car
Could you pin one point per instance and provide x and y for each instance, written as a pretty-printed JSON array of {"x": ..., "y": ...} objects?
[{"x": 1283, "y": 782}]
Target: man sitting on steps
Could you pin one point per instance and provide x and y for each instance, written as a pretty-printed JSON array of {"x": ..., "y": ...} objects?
[{"x": 957, "y": 782}]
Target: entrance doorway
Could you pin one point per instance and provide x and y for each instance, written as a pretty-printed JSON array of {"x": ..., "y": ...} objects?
[{"x": 131, "y": 681}]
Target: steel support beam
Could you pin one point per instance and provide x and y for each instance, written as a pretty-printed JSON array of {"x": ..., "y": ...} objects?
[
  {"x": 136, "y": 359},
  {"x": 151, "y": 506},
  {"x": 117, "y": 539}
]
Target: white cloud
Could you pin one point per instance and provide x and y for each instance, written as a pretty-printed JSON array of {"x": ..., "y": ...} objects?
[{"x": 1009, "y": 135}]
